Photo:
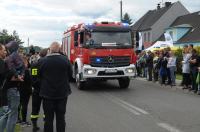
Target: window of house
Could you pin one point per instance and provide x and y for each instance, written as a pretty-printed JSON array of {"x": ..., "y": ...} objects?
[{"x": 171, "y": 34}]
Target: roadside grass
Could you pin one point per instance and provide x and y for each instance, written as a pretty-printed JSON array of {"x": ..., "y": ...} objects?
[
  {"x": 18, "y": 128},
  {"x": 179, "y": 76}
]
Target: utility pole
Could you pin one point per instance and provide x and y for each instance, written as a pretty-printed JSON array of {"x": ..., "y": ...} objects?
[
  {"x": 28, "y": 42},
  {"x": 27, "y": 49},
  {"x": 162, "y": 4},
  {"x": 121, "y": 11}
]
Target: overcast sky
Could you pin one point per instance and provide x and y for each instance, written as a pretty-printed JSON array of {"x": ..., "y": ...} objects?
[{"x": 44, "y": 21}]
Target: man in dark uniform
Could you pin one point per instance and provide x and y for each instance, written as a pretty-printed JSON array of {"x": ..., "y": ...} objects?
[
  {"x": 36, "y": 99},
  {"x": 55, "y": 71}
]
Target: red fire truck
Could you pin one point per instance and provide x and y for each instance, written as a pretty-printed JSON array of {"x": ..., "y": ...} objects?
[{"x": 100, "y": 51}]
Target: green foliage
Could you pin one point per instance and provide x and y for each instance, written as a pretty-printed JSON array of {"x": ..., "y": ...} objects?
[
  {"x": 18, "y": 128},
  {"x": 179, "y": 76},
  {"x": 26, "y": 49},
  {"x": 198, "y": 49},
  {"x": 5, "y": 37},
  {"x": 127, "y": 19},
  {"x": 179, "y": 55}
]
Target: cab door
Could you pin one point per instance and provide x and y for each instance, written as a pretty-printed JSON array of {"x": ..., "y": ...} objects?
[{"x": 76, "y": 49}]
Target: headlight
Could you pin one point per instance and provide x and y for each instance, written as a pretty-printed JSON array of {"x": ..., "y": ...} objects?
[
  {"x": 130, "y": 70},
  {"x": 90, "y": 71}
]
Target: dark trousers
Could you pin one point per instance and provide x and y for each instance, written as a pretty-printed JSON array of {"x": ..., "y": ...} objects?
[
  {"x": 138, "y": 71},
  {"x": 155, "y": 74},
  {"x": 168, "y": 76},
  {"x": 194, "y": 73},
  {"x": 186, "y": 79},
  {"x": 24, "y": 100},
  {"x": 57, "y": 107},
  {"x": 150, "y": 70},
  {"x": 163, "y": 79},
  {"x": 36, "y": 103}
]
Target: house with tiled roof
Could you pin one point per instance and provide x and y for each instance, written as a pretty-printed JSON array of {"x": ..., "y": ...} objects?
[
  {"x": 185, "y": 30},
  {"x": 153, "y": 24}
]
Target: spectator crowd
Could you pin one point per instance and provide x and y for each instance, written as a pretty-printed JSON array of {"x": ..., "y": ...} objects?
[
  {"x": 24, "y": 75},
  {"x": 161, "y": 66}
]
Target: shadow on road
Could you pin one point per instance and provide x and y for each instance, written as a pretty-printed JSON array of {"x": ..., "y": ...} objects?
[{"x": 102, "y": 86}]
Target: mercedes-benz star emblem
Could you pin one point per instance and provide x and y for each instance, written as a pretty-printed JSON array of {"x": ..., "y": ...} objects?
[{"x": 110, "y": 59}]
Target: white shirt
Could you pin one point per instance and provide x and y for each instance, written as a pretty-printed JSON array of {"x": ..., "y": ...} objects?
[
  {"x": 186, "y": 64},
  {"x": 171, "y": 61}
]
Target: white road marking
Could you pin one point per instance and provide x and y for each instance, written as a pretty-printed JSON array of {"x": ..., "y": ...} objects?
[
  {"x": 168, "y": 127},
  {"x": 134, "y": 107},
  {"x": 138, "y": 111},
  {"x": 125, "y": 107},
  {"x": 135, "y": 110}
]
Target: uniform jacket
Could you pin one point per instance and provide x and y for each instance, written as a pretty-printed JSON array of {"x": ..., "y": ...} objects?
[
  {"x": 54, "y": 72},
  {"x": 36, "y": 82}
]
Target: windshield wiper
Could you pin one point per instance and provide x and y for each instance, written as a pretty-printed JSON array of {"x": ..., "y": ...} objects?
[
  {"x": 93, "y": 46},
  {"x": 124, "y": 44}
]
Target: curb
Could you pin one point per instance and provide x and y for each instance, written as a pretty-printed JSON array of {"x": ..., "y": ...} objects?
[{"x": 177, "y": 82}]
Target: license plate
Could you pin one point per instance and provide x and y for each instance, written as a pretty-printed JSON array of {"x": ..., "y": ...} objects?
[{"x": 110, "y": 71}]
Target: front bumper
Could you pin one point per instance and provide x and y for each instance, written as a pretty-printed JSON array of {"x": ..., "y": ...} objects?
[{"x": 104, "y": 72}]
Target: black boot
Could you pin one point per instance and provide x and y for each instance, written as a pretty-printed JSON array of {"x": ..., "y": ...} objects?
[{"x": 35, "y": 127}]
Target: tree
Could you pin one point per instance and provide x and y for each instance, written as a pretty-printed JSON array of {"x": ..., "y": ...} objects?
[
  {"x": 15, "y": 36},
  {"x": 127, "y": 19},
  {"x": 5, "y": 37}
]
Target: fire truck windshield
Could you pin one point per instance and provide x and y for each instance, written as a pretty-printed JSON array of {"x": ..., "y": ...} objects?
[{"x": 111, "y": 39}]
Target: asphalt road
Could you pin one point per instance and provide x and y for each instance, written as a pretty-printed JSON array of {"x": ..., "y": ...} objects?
[{"x": 144, "y": 107}]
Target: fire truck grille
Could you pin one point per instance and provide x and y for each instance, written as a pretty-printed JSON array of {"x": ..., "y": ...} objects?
[
  {"x": 103, "y": 73},
  {"x": 110, "y": 61}
]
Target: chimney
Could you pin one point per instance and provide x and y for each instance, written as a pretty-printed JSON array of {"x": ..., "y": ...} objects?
[
  {"x": 158, "y": 7},
  {"x": 167, "y": 4}
]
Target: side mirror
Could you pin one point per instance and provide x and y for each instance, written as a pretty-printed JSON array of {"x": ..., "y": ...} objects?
[
  {"x": 76, "y": 38},
  {"x": 134, "y": 43}
]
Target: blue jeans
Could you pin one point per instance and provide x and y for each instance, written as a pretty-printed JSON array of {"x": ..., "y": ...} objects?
[
  {"x": 145, "y": 70},
  {"x": 9, "y": 121},
  {"x": 4, "y": 112},
  {"x": 172, "y": 75}
]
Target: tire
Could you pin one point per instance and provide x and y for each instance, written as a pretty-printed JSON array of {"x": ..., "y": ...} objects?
[
  {"x": 124, "y": 83},
  {"x": 80, "y": 85}
]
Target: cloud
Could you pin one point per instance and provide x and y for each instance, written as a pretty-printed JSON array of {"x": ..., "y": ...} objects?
[{"x": 44, "y": 21}]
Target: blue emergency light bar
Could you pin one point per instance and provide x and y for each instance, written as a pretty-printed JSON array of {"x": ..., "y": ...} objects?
[
  {"x": 125, "y": 24},
  {"x": 98, "y": 60},
  {"x": 89, "y": 24}
]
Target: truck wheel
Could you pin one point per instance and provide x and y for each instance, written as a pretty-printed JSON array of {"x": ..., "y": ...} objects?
[
  {"x": 80, "y": 85},
  {"x": 124, "y": 82}
]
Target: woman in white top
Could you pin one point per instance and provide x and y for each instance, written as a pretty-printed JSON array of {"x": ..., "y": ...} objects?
[
  {"x": 172, "y": 67},
  {"x": 186, "y": 68}
]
